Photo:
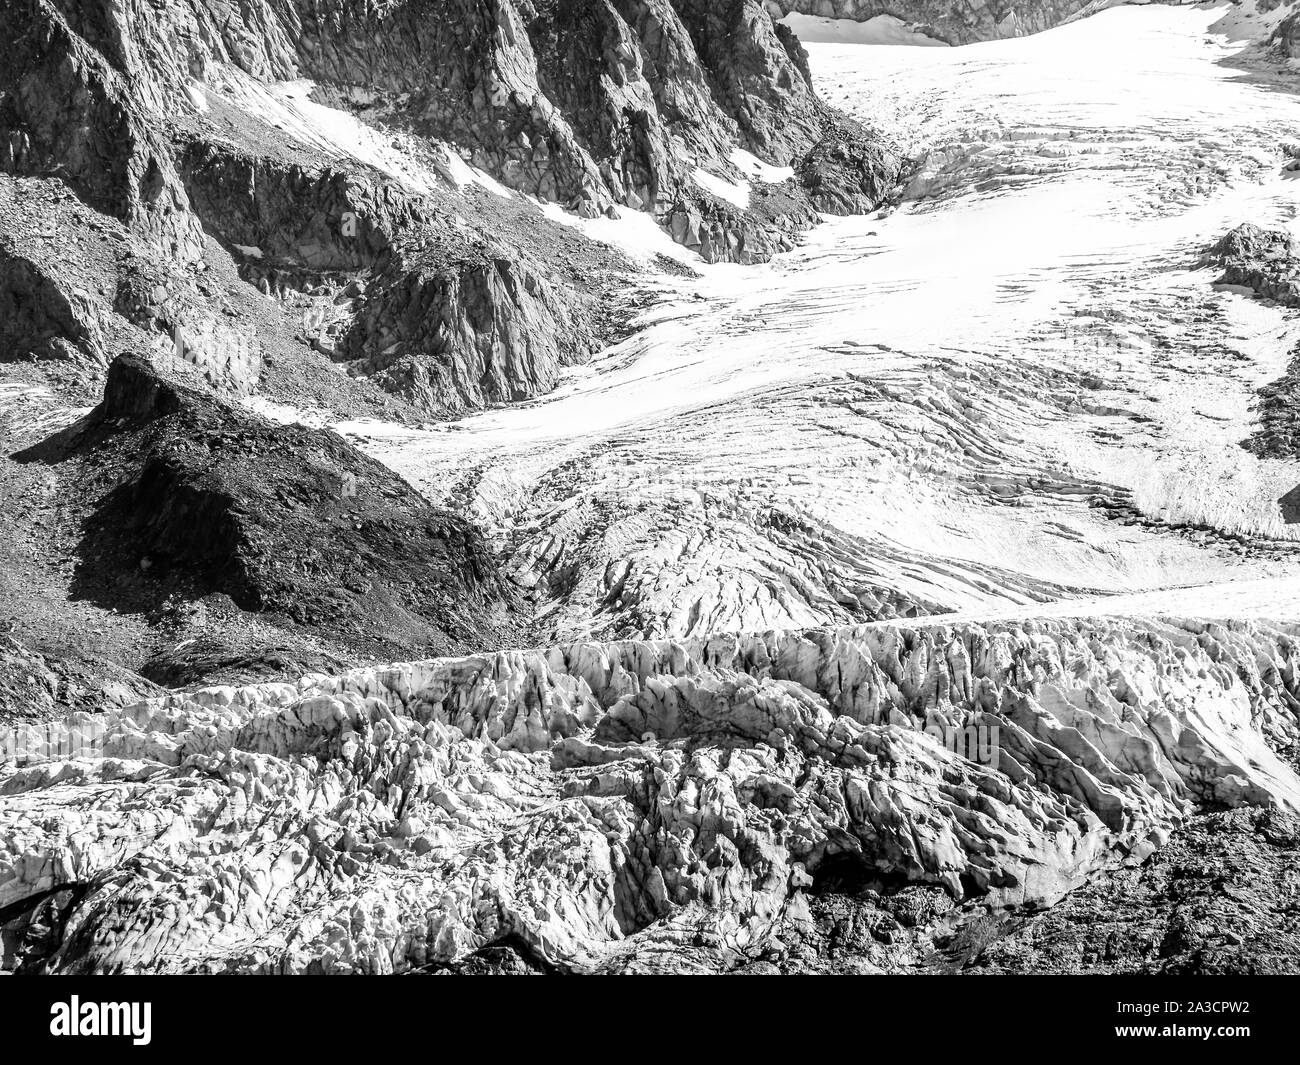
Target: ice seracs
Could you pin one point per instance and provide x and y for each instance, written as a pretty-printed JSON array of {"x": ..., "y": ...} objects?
[{"x": 609, "y": 804}]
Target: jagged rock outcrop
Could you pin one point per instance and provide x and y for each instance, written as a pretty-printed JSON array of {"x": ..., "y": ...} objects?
[
  {"x": 40, "y": 318},
  {"x": 758, "y": 73},
  {"x": 1266, "y": 260},
  {"x": 1287, "y": 35},
  {"x": 414, "y": 299},
  {"x": 296, "y": 213},
  {"x": 583, "y": 103},
  {"x": 84, "y": 111},
  {"x": 718, "y": 231},
  {"x": 634, "y": 806},
  {"x": 953, "y": 21},
  {"x": 587, "y": 103},
  {"x": 58, "y": 277},
  {"x": 77, "y": 289},
  {"x": 466, "y": 333},
  {"x": 845, "y": 172}
]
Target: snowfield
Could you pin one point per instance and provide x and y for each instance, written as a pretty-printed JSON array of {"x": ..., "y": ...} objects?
[{"x": 1016, "y": 390}]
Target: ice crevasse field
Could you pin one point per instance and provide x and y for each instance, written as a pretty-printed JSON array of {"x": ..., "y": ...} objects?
[{"x": 1016, "y": 393}]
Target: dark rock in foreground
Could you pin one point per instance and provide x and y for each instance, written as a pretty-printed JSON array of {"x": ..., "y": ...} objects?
[{"x": 293, "y": 523}]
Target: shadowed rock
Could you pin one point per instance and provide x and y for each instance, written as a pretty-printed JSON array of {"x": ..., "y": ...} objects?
[{"x": 194, "y": 496}]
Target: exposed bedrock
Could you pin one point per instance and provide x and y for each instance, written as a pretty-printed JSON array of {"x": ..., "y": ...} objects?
[
  {"x": 41, "y": 318},
  {"x": 185, "y": 320},
  {"x": 463, "y": 334},
  {"x": 721, "y": 232},
  {"x": 953, "y": 21},
  {"x": 298, "y": 215},
  {"x": 1265, "y": 260},
  {"x": 443, "y": 318},
  {"x": 77, "y": 288},
  {"x": 638, "y": 805},
  {"x": 587, "y": 103},
  {"x": 413, "y": 298},
  {"x": 295, "y": 229},
  {"x": 75, "y": 101},
  {"x": 846, "y": 172},
  {"x": 1287, "y": 35}
]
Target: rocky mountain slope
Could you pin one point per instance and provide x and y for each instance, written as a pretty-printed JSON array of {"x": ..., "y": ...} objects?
[
  {"x": 327, "y": 150},
  {"x": 253, "y": 548}
]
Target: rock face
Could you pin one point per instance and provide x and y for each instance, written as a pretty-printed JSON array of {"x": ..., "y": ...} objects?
[
  {"x": 39, "y": 318},
  {"x": 1287, "y": 35},
  {"x": 459, "y": 335},
  {"x": 636, "y": 806},
  {"x": 87, "y": 113},
  {"x": 449, "y": 317},
  {"x": 953, "y": 21},
  {"x": 844, "y": 172}
]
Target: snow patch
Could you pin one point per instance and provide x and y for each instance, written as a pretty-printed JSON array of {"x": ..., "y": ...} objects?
[
  {"x": 284, "y": 414},
  {"x": 194, "y": 91},
  {"x": 463, "y": 174},
  {"x": 757, "y": 170},
  {"x": 26, "y": 408},
  {"x": 733, "y": 192},
  {"x": 288, "y": 106},
  {"x": 635, "y": 233}
]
